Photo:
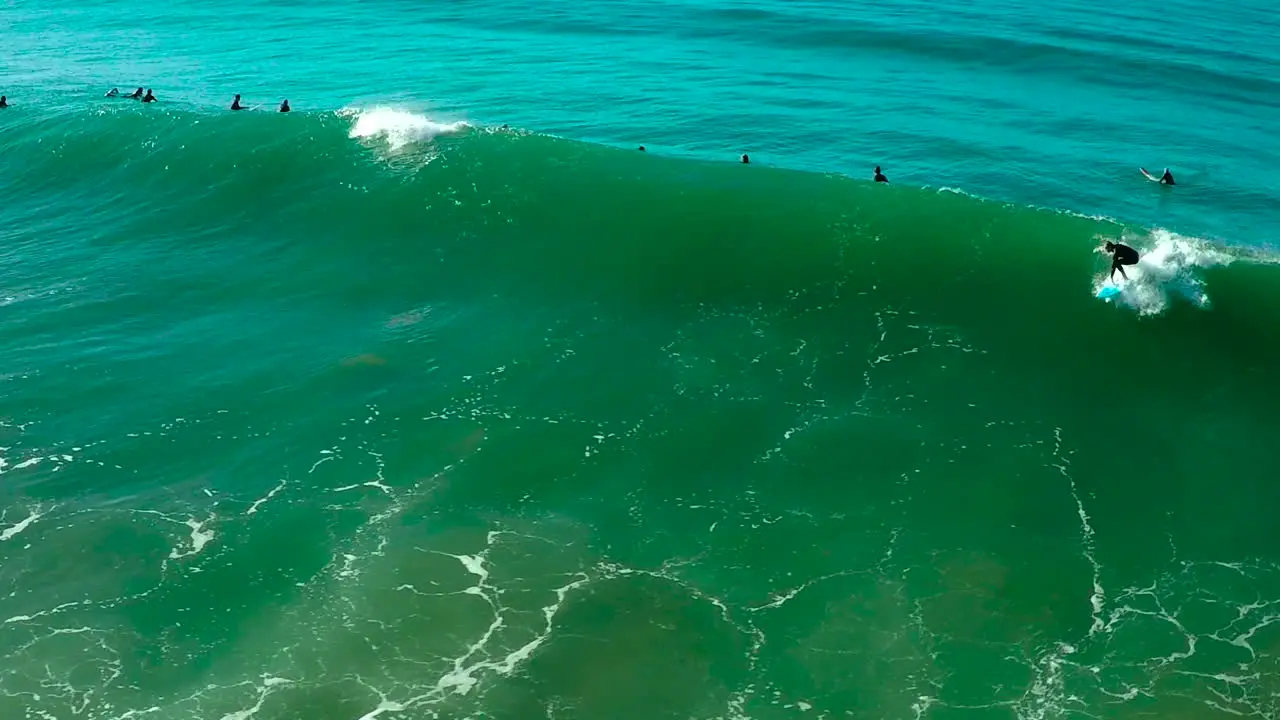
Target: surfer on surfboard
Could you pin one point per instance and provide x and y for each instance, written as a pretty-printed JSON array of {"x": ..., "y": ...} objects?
[
  {"x": 1165, "y": 179},
  {"x": 1121, "y": 255}
]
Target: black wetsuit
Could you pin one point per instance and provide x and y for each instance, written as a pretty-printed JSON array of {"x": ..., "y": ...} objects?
[{"x": 1122, "y": 255}]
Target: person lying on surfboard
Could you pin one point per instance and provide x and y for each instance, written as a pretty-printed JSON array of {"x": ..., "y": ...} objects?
[{"x": 1121, "y": 255}]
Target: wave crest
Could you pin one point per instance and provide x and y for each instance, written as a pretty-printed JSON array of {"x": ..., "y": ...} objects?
[{"x": 398, "y": 128}]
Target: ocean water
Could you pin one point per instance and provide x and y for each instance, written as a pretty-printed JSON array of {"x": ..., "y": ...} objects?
[{"x": 435, "y": 398}]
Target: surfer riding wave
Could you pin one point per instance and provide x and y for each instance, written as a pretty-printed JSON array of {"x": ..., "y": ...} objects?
[{"x": 1121, "y": 255}]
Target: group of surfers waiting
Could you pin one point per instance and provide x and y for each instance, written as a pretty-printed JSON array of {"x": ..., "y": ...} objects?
[{"x": 149, "y": 97}]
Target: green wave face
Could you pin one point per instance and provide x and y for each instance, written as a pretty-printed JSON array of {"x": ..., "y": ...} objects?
[{"x": 366, "y": 416}]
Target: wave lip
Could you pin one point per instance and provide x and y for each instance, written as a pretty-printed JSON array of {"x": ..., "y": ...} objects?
[{"x": 397, "y": 127}]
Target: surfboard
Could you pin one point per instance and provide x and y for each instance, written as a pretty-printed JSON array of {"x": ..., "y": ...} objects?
[
  {"x": 1148, "y": 176},
  {"x": 1106, "y": 292}
]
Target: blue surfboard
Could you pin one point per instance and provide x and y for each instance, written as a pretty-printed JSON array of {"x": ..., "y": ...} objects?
[{"x": 1106, "y": 292}]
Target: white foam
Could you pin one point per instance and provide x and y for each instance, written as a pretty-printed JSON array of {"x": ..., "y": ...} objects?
[
  {"x": 21, "y": 525},
  {"x": 29, "y": 462},
  {"x": 268, "y": 682},
  {"x": 399, "y": 128},
  {"x": 199, "y": 538},
  {"x": 384, "y": 706},
  {"x": 257, "y": 503},
  {"x": 1168, "y": 265}
]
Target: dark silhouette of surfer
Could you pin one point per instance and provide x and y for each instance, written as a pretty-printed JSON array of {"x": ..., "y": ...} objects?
[
  {"x": 235, "y": 103},
  {"x": 137, "y": 94},
  {"x": 1121, "y": 255},
  {"x": 1165, "y": 179},
  {"x": 4, "y": 101},
  {"x": 148, "y": 97},
  {"x": 284, "y": 106},
  {"x": 880, "y": 176},
  {"x": 745, "y": 160}
]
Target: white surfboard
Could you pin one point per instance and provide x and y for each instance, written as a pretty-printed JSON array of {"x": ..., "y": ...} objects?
[{"x": 1148, "y": 175}]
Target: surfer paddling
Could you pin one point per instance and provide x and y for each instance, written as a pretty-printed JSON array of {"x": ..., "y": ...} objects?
[{"x": 1121, "y": 255}]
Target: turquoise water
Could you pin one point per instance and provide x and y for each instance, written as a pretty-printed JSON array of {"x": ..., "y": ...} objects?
[{"x": 379, "y": 409}]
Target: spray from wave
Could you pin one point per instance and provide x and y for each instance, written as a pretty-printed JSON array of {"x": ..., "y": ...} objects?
[
  {"x": 1169, "y": 266},
  {"x": 398, "y": 128}
]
